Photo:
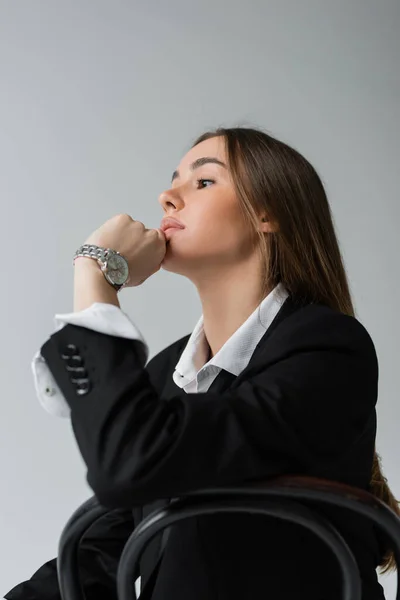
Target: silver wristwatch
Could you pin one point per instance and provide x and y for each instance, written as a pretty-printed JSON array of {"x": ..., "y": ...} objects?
[{"x": 114, "y": 266}]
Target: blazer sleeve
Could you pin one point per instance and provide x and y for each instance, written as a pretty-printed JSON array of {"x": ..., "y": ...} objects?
[
  {"x": 306, "y": 402},
  {"x": 99, "y": 316},
  {"x": 99, "y": 553}
]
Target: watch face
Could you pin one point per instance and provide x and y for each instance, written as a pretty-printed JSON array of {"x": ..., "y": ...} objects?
[{"x": 117, "y": 269}]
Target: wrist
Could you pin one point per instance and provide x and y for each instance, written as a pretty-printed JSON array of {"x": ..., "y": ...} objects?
[{"x": 90, "y": 285}]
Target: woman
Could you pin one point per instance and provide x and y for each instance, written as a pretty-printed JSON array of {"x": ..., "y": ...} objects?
[{"x": 278, "y": 377}]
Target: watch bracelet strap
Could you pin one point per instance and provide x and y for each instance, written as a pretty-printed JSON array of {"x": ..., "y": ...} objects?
[
  {"x": 98, "y": 253},
  {"x": 92, "y": 251}
]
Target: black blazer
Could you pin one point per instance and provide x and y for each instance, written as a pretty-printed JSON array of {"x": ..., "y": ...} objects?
[{"x": 305, "y": 404}]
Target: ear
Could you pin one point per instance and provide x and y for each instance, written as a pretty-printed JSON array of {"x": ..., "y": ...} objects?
[{"x": 267, "y": 226}]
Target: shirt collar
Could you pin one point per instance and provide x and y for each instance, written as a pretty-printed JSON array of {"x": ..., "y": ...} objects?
[{"x": 236, "y": 353}]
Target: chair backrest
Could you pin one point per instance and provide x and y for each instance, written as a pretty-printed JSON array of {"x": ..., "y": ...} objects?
[{"x": 282, "y": 497}]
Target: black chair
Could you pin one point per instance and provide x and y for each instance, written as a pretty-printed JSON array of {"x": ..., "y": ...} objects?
[{"x": 284, "y": 497}]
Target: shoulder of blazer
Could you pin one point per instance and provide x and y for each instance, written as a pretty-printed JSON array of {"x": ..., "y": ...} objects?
[
  {"x": 317, "y": 323},
  {"x": 301, "y": 327}
]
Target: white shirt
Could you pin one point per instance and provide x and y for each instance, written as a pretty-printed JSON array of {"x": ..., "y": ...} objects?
[{"x": 193, "y": 372}]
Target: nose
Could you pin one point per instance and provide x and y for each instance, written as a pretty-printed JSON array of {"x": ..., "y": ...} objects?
[{"x": 168, "y": 199}]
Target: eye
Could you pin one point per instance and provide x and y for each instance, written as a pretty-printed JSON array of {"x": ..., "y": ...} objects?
[{"x": 201, "y": 180}]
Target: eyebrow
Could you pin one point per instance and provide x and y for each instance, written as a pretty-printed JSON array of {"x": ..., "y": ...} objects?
[{"x": 199, "y": 162}]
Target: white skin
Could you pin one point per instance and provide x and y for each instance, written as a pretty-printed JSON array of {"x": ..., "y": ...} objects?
[{"x": 214, "y": 251}]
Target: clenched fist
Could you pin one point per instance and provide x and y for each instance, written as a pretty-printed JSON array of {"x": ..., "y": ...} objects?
[{"x": 144, "y": 249}]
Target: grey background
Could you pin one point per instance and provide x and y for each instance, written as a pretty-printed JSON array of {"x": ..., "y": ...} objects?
[{"x": 99, "y": 101}]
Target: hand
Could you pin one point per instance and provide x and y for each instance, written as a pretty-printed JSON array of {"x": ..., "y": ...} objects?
[{"x": 144, "y": 249}]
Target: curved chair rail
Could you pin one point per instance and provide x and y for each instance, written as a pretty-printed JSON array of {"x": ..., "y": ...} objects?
[
  {"x": 182, "y": 509},
  {"x": 67, "y": 560},
  {"x": 276, "y": 496}
]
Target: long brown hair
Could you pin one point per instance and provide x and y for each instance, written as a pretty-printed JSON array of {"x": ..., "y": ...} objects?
[{"x": 275, "y": 180}]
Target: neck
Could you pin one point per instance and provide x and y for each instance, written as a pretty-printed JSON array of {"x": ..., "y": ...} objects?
[{"x": 227, "y": 302}]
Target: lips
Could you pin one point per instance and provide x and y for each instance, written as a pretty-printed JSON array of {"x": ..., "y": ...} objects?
[{"x": 169, "y": 222}]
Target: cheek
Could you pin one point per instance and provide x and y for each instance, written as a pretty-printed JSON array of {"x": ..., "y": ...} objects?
[
  {"x": 217, "y": 216},
  {"x": 209, "y": 223},
  {"x": 217, "y": 235}
]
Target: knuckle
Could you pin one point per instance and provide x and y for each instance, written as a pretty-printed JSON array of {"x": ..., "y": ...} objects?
[{"x": 124, "y": 217}]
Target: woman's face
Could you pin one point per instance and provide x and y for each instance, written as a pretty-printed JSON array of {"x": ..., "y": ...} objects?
[{"x": 203, "y": 199}]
